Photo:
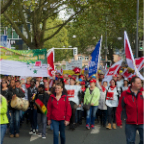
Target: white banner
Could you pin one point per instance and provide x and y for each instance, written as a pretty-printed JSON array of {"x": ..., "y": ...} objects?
[
  {"x": 16, "y": 68},
  {"x": 73, "y": 64}
]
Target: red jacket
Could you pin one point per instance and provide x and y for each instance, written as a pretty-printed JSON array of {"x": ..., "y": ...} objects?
[
  {"x": 133, "y": 106},
  {"x": 59, "y": 110}
]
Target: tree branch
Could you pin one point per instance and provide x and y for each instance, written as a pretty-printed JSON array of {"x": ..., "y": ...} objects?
[
  {"x": 5, "y": 6},
  {"x": 24, "y": 20},
  {"x": 62, "y": 26}
]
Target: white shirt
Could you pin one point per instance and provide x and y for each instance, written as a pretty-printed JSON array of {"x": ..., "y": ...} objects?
[
  {"x": 112, "y": 97},
  {"x": 120, "y": 83},
  {"x": 72, "y": 91},
  {"x": 124, "y": 88}
]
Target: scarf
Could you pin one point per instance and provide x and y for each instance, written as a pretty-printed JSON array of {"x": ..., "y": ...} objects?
[
  {"x": 27, "y": 85},
  {"x": 46, "y": 89},
  {"x": 103, "y": 88},
  {"x": 83, "y": 89},
  {"x": 112, "y": 87}
]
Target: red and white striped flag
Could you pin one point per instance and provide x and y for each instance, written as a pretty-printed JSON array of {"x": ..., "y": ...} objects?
[
  {"x": 112, "y": 71},
  {"x": 129, "y": 56},
  {"x": 50, "y": 62},
  {"x": 51, "y": 81}
]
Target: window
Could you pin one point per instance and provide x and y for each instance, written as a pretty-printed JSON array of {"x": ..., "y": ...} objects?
[
  {"x": 79, "y": 57},
  {"x": 9, "y": 33},
  {"x": 86, "y": 58}
]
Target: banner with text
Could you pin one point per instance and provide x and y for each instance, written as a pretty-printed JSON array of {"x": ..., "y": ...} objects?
[{"x": 23, "y": 62}]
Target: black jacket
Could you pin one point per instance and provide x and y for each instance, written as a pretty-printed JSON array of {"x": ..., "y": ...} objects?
[
  {"x": 31, "y": 92},
  {"x": 19, "y": 93},
  {"x": 42, "y": 97},
  {"x": 7, "y": 94}
]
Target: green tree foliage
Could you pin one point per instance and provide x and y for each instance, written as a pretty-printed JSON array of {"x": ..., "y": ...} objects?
[
  {"x": 32, "y": 15},
  {"x": 5, "y": 4},
  {"x": 58, "y": 41},
  {"x": 107, "y": 15}
]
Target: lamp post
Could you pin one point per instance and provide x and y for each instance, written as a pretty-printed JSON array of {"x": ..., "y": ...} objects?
[{"x": 136, "y": 52}]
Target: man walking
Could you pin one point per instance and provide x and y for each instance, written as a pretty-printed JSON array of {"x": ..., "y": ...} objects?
[
  {"x": 15, "y": 113},
  {"x": 132, "y": 101}
]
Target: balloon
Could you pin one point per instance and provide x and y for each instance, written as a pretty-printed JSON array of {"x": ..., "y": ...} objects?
[{"x": 76, "y": 70}]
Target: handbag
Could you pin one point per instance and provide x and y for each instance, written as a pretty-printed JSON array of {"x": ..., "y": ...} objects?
[{"x": 87, "y": 106}]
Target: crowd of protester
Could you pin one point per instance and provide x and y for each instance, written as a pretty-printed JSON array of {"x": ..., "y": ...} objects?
[{"x": 71, "y": 101}]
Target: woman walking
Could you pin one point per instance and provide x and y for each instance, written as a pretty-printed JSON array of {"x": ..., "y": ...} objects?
[
  {"x": 59, "y": 113},
  {"x": 92, "y": 96},
  {"x": 74, "y": 98},
  {"x": 3, "y": 116},
  {"x": 112, "y": 103},
  {"x": 126, "y": 84}
]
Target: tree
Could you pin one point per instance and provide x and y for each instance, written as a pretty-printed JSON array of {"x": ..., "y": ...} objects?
[
  {"x": 111, "y": 16},
  {"x": 5, "y": 4},
  {"x": 32, "y": 16},
  {"x": 58, "y": 41}
]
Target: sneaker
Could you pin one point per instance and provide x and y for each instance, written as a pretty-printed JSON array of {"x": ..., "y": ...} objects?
[
  {"x": 39, "y": 135},
  {"x": 34, "y": 132},
  {"x": 43, "y": 137},
  {"x": 11, "y": 136},
  {"x": 17, "y": 135},
  {"x": 92, "y": 126},
  {"x": 87, "y": 127},
  {"x": 30, "y": 132},
  {"x": 109, "y": 126}
]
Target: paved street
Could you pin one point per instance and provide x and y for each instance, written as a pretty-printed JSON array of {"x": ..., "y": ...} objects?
[{"x": 80, "y": 136}]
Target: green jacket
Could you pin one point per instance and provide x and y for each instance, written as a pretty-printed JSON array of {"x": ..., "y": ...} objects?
[
  {"x": 95, "y": 99},
  {"x": 3, "y": 111}
]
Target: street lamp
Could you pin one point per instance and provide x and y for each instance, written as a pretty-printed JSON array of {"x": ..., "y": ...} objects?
[{"x": 136, "y": 52}]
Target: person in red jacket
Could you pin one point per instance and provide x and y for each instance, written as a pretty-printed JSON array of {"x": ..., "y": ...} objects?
[
  {"x": 59, "y": 113},
  {"x": 132, "y": 101}
]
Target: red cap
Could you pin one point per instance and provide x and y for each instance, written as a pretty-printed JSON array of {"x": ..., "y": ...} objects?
[
  {"x": 81, "y": 76},
  {"x": 61, "y": 77},
  {"x": 92, "y": 81},
  {"x": 83, "y": 83},
  {"x": 72, "y": 77},
  {"x": 114, "y": 75},
  {"x": 69, "y": 76},
  {"x": 65, "y": 80}
]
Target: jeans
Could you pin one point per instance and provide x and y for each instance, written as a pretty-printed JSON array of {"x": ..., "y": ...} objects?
[
  {"x": 58, "y": 126},
  {"x": 42, "y": 123},
  {"x": 111, "y": 114},
  {"x": 103, "y": 116},
  {"x": 3, "y": 131},
  {"x": 72, "y": 120},
  {"x": 33, "y": 118},
  {"x": 91, "y": 115},
  {"x": 78, "y": 116},
  {"x": 14, "y": 121},
  {"x": 130, "y": 131}
]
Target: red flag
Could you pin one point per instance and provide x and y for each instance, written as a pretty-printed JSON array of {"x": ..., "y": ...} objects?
[
  {"x": 129, "y": 56},
  {"x": 50, "y": 61}
]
